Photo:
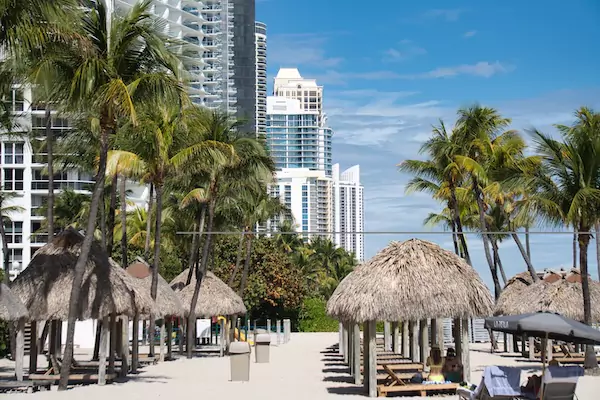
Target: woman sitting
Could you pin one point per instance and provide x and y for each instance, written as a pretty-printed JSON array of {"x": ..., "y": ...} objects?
[
  {"x": 453, "y": 369},
  {"x": 435, "y": 362}
]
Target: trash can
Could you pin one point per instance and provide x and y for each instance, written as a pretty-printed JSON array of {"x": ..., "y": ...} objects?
[
  {"x": 263, "y": 344},
  {"x": 239, "y": 358}
]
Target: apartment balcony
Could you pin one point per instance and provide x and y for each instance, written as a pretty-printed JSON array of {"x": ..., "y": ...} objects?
[
  {"x": 38, "y": 238},
  {"x": 43, "y": 185},
  {"x": 211, "y": 19},
  {"x": 192, "y": 10}
]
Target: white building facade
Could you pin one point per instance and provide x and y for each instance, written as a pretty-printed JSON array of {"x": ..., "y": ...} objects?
[
  {"x": 348, "y": 210},
  {"x": 260, "y": 33}
]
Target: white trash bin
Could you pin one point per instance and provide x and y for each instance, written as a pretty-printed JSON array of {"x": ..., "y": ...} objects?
[
  {"x": 263, "y": 348},
  {"x": 239, "y": 358}
]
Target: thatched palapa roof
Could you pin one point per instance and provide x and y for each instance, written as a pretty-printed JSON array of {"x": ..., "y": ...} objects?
[
  {"x": 216, "y": 297},
  {"x": 11, "y": 308},
  {"x": 167, "y": 301},
  {"x": 512, "y": 290},
  {"x": 560, "y": 296},
  {"x": 409, "y": 281},
  {"x": 45, "y": 285}
]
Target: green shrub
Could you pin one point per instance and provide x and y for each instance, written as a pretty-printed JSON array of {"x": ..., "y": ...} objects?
[{"x": 314, "y": 318}]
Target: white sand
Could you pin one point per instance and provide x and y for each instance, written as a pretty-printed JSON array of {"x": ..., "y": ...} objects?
[{"x": 298, "y": 370}]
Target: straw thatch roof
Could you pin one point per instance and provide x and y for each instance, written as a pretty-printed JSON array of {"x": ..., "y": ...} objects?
[
  {"x": 561, "y": 296},
  {"x": 45, "y": 285},
  {"x": 409, "y": 281},
  {"x": 11, "y": 308},
  {"x": 216, "y": 297},
  {"x": 513, "y": 289},
  {"x": 167, "y": 301}
]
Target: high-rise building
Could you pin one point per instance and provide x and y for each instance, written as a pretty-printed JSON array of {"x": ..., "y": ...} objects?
[
  {"x": 348, "y": 210},
  {"x": 261, "y": 77},
  {"x": 221, "y": 52},
  {"x": 290, "y": 84}
]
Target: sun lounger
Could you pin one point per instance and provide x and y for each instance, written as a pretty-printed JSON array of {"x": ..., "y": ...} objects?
[
  {"x": 403, "y": 367},
  {"x": 559, "y": 383},
  {"x": 497, "y": 383},
  {"x": 421, "y": 388}
]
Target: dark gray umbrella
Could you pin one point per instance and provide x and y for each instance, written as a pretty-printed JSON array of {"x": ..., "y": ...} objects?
[{"x": 545, "y": 325}]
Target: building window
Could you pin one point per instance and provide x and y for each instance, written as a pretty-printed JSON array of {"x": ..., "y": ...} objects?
[
  {"x": 14, "y": 231},
  {"x": 15, "y": 255},
  {"x": 13, "y": 179},
  {"x": 13, "y": 153}
]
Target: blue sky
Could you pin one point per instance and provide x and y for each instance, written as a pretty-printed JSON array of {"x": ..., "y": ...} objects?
[{"x": 392, "y": 69}]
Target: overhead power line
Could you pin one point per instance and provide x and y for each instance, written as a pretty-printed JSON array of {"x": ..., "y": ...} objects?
[{"x": 386, "y": 233}]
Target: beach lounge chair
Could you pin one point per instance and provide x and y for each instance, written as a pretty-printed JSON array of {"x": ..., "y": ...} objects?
[
  {"x": 497, "y": 383},
  {"x": 559, "y": 383}
]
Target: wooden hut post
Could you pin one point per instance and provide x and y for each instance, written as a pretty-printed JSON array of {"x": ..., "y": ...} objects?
[
  {"x": 531, "y": 348},
  {"x": 395, "y": 337},
  {"x": 182, "y": 330},
  {"x": 356, "y": 347},
  {"x": 387, "y": 335},
  {"x": 113, "y": 343},
  {"x": 434, "y": 332},
  {"x": 351, "y": 354},
  {"x": 33, "y": 348},
  {"x": 341, "y": 338},
  {"x": 549, "y": 350},
  {"x": 169, "y": 322},
  {"x": 414, "y": 342},
  {"x": 135, "y": 344},
  {"x": 405, "y": 340},
  {"x": 161, "y": 356},
  {"x": 345, "y": 343},
  {"x": 20, "y": 355},
  {"x": 52, "y": 339},
  {"x": 104, "y": 332},
  {"x": 464, "y": 357},
  {"x": 424, "y": 340},
  {"x": 371, "y": 377},
  {"x": 124, "y": 346},
  {"x": 222, "y": 337},
  {"x": 440, "y": 333},
  {"x": 365, "y": 357}
]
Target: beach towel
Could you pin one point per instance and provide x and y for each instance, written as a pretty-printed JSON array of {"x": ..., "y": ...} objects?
[{"x": 502, "y": 381}]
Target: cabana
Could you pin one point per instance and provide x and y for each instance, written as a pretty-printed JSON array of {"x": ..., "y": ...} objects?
[
  {"x": 216, "y": 297},
  {"x": 12, "y": 310},
  {"x": 107, "y": 292},
  {"x": 167, "y": 307},
  {"x": 411, "y": 282}
]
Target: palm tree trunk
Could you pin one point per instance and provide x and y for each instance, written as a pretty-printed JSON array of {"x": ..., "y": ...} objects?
[
  {"x": 497, "y": 263},
  {"x": 246, "y": 266},
  {"x": 200, "y": 273},
  {"x": 584, "y": 239},
  {"x": 123, "y": 195},
  {"x": 575, "y": 248},
  {"x": 154, "y": 287},
  {"x": 455, "y": 239},
  {"x": 486, "y": 249},
  {"x": 102, "y": 221},
  {"x": 527, "y": 244},
  {"x": 5, "y": 252},
  {"x": 459, "y": 228},
  {"x": 149, "y": 222},
  {"x": 523, "y": 251},
  {"x": 50, "y": 161},
  {"x": 110, "y": 229},
  {"x": 195, "y": 249},
  {"x": 238, "y": 261},
  {"x": 86, "y": 246},
  {"x": 597, "y": 229}
]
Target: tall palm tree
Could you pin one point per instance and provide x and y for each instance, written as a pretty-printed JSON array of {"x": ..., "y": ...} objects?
[
  {"x": 112, "y": 64},
  {"x": 569, "y": 180},
  {"x": 247, "y": 163}
]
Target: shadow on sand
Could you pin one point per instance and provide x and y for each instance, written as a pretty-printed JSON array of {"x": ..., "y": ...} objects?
[{"x": 340, "y": 375}]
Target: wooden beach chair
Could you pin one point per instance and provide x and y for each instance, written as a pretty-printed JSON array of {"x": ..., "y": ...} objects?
[
  {"x": 420, "y": 388},
  {"x": 497, "y": 383},
  {"x": 560, "y": 383}
]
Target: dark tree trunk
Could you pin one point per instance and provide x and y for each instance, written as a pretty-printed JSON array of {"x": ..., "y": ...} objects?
[
  {"x": 486, "y": 248},
  {"x": 246, "y": 265},
  {"x": 597, "y": 229},
  {"x": 497, "y": 263},
  {"x": 110, "y": 229},
  {"x": 149, "y": 223},
  {"x": 523, "y": 251},
  {"x": 238, "y": 260},
  {"x": 5, "y": 252},
  {"x": 83, "y": 257},
  {"x": 527, "y": 243},
  {"x": 584, "y": 240},
  {"x": 575, "y": 249},
  {"x": 196, "y": 246},
  {"x": 50, "y": 161},
  {"x": 123, "y": 195},
  {"x": 200, "y": 273},
  {"x": 459, "y": 228},
  {"x": 156, "y": 264},
  {"x": 455, "y": 238}
]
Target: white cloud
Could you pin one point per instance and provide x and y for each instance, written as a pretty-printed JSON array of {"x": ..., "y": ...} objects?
[
  {"x": 469, "y": 34},
  {"x": 483, "y": 69},
  {"x": 405, "y": 50},
  {"x": 302, "y": 49}
]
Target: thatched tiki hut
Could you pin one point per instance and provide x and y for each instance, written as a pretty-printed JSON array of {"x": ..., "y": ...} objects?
[
  {"x": 167, "y": 306},
  {"x": 410, "y": 281},
  {"x": 107, "y": 291},
  {"x": 216, "y": 298},
  {"x": 12, "y": 310}
]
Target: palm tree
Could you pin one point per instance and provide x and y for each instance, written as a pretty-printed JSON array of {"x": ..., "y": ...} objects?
[
  {"x": 569, "y": 181},
  {"x": 6, "y": 209},
  {"x": 248, "y": 163},
  {"x": 287, "y": 237},
  {"x": 112, "y": 64}
]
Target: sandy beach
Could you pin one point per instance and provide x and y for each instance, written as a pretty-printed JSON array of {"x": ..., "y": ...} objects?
[{"x": 300, "y": 369}]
